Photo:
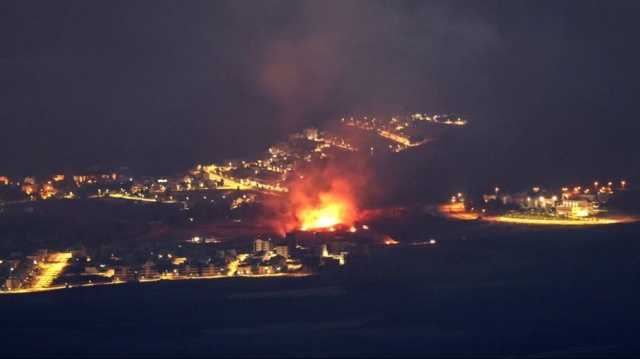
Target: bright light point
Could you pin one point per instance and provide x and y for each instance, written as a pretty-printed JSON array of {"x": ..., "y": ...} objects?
[{"x": 390, "y": 241}]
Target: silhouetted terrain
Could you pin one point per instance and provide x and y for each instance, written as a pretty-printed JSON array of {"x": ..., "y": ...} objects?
[{"x": 498, "y": 291}]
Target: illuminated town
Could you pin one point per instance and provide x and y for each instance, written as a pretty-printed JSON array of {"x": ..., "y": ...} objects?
[
  {"x": 322, "y": 231},
  {"x": 317, "y": 237},
  {"x": 319, "y": 179},
  {"x": 565, "y": 206}
]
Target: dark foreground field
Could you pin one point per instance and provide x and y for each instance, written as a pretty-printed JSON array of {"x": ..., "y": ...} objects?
[{"x": 500, "y": 292}]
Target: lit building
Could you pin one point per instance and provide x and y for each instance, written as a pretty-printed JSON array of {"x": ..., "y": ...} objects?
[
  {"x": 574, "y": 208},
  {"x": 122, "y": 274},
  {"x": 245, "y": 269},
  {"x": 210, "y": 270},
  {"x": 12, "y": 283},
  {"x": 47, "y": 191},
  {"x": 261, "y": 245},
  {"x": 339, "y": 257},
  {"x": 28, "y": 188},
  {"x": 149, "y": 270},
  {"x": 265, "y": 269},
  {"x": 282, "y": 251}
]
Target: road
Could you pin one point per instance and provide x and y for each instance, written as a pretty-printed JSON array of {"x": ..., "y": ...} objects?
[{"x": 50, "y": 270}]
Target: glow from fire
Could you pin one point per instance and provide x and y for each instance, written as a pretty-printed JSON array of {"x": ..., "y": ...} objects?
[
  {"x": 330, "y": 211},
  {"x": 323, "y": 207}
]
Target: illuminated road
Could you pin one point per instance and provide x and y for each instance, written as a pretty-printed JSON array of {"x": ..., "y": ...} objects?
[
  {"x": 403, "y": 140},
  {"x": 131, "y": 198},
  {"x": 59, "y": 287},
  {"x": 232, "y": 267},
  {"x": 243, "y": 185},
  {"x": 558, "y": 221},
  {"x": 229, "y": 183},
  {"x": 454, "y": 211},
  {"x": 50, "y": 270}
]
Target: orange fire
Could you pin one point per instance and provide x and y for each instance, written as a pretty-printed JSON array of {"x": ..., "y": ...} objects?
[
  {"x": 330, "y": 211},
  {"x": 321, "y": 197},
  {"x": 324, "y": 208}
]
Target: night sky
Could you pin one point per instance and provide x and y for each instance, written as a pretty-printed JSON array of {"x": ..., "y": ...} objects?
[{"x": 158, "y": 86}]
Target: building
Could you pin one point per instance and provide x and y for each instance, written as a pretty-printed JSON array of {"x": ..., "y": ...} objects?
[
  {"x": 12, "y": 283},
  {"x": 282, "y": 251},
  {"x": 577, "y": 208},
  {"x": 210, "y": 270},
  {"x": 339, "y": 257},
  {"x": 265, "y": 269},
  {"x": 149, "y": 270},
  {"x": 90, "y": 270},
  {"x": 123, "y": 274},
  {"x": 261, "y": 245},
  {"x": 245, "y": 269}
]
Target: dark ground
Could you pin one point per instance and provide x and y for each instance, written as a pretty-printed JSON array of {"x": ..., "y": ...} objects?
[{"x": 500, "y": 292}]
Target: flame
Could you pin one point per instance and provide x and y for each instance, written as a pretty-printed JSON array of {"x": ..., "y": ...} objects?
[
  {"x": 330, "y": 212},
  {"x": 326, "y": 208},
  {"x": 321, "y": 197}
]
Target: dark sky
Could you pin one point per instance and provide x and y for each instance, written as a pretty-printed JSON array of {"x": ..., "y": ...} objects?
[{"x": 160, "y": 85}]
